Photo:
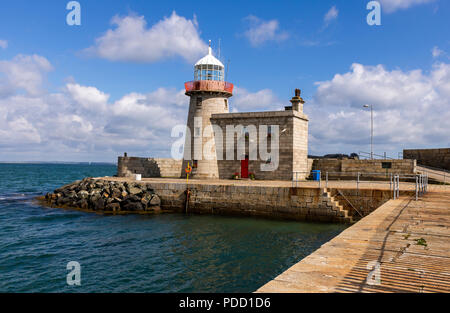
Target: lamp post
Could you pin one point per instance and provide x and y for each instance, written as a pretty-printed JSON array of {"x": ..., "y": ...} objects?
[{"x": 371, "y": 128}]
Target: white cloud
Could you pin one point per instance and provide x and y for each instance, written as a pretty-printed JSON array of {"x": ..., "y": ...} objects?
[
  {"x": 24, "y": 72},
  {"x": 262, "y": 100},
  {"x": 88, "y": 97},
  {"x": 390, "y": 6},
  {"x": 261, "y": 31},
  {"x": 410, "y": 109},
  {"x": 331, "y": 15},
  {"x": 436, "y": 52},
  {"x": 80, "y": 122},
  {"x": 3, "y": 44},
  {"x": 131, "y": 40}
]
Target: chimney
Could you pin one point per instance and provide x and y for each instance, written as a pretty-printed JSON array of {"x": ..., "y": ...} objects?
[{"x": 297, "y": 101}]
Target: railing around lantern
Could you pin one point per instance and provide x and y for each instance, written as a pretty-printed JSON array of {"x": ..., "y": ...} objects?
[{"x": 209, "y": 85}]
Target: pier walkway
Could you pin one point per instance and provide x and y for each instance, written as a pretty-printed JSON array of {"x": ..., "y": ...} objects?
[{"x": 403, "y": 246}]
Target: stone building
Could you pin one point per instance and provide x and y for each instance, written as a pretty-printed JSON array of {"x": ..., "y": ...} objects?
[
  {"x": 274, "y": 143},
  {"x": 267, "y": 145}
]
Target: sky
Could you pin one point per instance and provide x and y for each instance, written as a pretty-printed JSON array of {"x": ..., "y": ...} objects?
[{"x": 115, "y": 83}]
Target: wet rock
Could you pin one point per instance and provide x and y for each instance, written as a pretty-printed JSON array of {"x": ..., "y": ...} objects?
[
  {"x": 130, "y": 200},
  {"x": 101, "y": 195},
  {"x": 98, "y": 204},
  {"x": 72, "y": 194},
  {"x": 145, "y": 200},
  {"x": 135, "y": 190},
  {"x": 114, "y": 207},
  {"x": 63, "y": 201},
  {"x": 109, "y": 200},
  {"x": 155, "y": 201},
  {"x": 115, "y": 192},
  {"x": 82, "y": 204},
  {"x": 133, "y": 206},
  {"x": 83, "y": 194},
  {"x": 95, "y": 191}
]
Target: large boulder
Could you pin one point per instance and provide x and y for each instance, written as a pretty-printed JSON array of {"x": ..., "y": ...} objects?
[
  {"x": 133, "y": 206},
  {"x": 155, "y": 201},
  {"x": 83, "y": 194},
  {"x": 115, "y": 192},
  {"x": 134, "y": 190},
  {"x": 98, "y": 204},
  {"x": 114, "y": 207},
  {"x": 145, "y": 200},
  {"x": 101, "y": 195},
  {"x": 82, "y": 204}
]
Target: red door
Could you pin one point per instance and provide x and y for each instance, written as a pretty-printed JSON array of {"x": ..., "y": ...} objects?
[{"x": 244, "y": 168}]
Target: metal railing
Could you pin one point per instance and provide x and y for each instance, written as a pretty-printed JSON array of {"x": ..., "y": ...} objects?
[
  {"x": 421, "y": 185},
  {"x": 434, "y": 168},
  {"x": 209, "y": 85},
  {"x": 369, "y": 155},
  {"x": 433, "y": 171},
  {"x": 421, "y": 180}
]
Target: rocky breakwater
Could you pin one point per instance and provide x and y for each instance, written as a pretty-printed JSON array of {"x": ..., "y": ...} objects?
[{"x": 105, "y": 196}]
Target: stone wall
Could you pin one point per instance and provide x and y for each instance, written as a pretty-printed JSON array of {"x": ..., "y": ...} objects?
[
  {"x": 307, "y": 204},
  {"x": 311, "y": 204},
  {"x": 364, "y": 201},
  {"x": 439, "y": 158},
  {"x": 148, "y": 167},
  {"x": 293, "y": 143},
  {"x": 339, "y": 168},
  {"x": 303, "y": 203}
]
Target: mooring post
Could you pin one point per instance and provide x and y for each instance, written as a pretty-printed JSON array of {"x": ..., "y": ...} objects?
[
  {"x": 357, "y": 184},
  {"x": 394, "y": 191},
  {"x": 421, "y": 184},
  {"x": 417, "y": 189}
]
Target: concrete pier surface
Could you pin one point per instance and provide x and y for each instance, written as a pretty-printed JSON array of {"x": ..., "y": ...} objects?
[{"x": 403, "y": 246}]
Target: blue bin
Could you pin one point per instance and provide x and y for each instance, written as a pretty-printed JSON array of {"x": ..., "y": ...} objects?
[{"x": 316, "y": 175}]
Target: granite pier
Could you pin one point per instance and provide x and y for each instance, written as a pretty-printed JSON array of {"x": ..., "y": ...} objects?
[
  {"x": 403, "y": 246},
  {"x": 339, "y": 201}
]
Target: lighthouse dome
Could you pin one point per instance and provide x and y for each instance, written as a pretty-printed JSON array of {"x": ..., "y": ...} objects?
[{"x": 209, "y": 68}]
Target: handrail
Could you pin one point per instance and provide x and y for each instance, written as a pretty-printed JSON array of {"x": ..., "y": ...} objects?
[
  {"x": 434, "y": 168},
  {"x": 384, "y": 157},
  {"x": 421, "y": 185},
  {"x": 349, "y": 202},
  {"x": 394, "y": 181}
]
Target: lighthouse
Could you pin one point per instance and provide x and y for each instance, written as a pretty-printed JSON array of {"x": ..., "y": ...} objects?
[{"x": 209, "y": 94}]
